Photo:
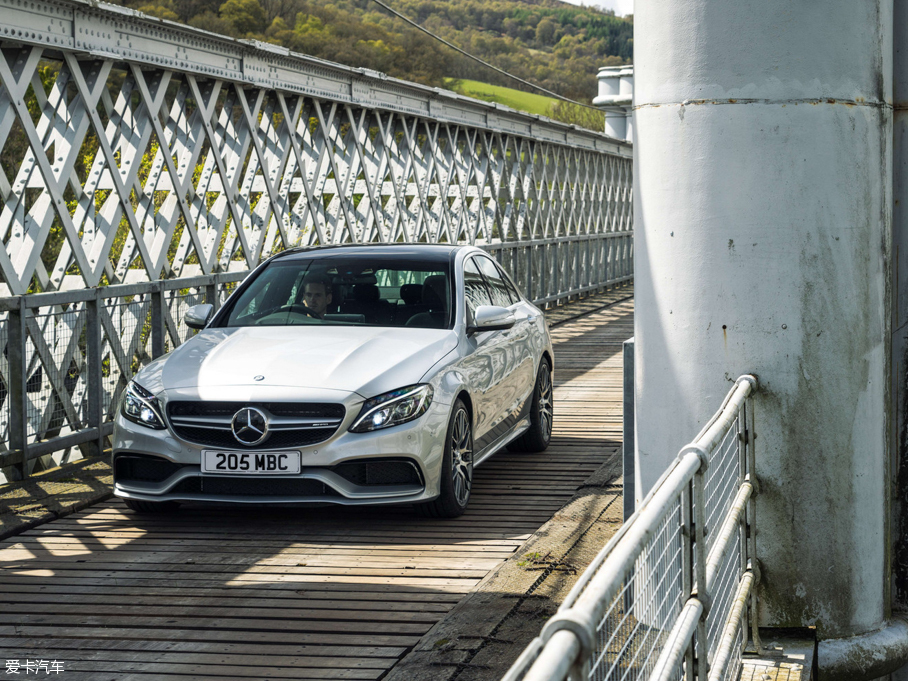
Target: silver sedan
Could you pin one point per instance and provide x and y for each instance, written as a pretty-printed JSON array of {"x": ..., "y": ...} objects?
[{"x": 347, "y": 375}]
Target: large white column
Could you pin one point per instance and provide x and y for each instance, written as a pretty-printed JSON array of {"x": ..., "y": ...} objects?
[{"x": 763, "y": 182}]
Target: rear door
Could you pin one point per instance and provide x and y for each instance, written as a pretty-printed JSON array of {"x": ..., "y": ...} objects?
[
  {"x": 521, "y": 363},
  {"x": 487, "y": 365}
]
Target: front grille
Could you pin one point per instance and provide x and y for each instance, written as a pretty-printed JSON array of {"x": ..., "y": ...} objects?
[
  {"x": 379, "y": 472},
  {"x": 139, "y": 468},
  {"x": 254, "y": 487},
  {"x": 278, "y": 439},
  {"x": 291, "y": 424}
]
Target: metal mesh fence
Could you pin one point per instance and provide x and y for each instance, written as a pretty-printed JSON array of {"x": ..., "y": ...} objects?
[
  {"x": 126, "y": 325},
  {"x": 723, "y": 593},
  {"x": 55, "y": 390},
  {"x": 732, "y": 671},
  {"x": 178, "y": 301},
  {"x": 723, "y": 478},
  {"x": 639, "y": 619}
]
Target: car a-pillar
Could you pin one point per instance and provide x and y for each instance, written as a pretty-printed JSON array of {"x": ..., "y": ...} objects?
[{"x": 764, "y": 243}]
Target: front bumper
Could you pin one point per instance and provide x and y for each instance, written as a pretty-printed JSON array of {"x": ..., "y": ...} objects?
[{"x": 335, "y": 471}]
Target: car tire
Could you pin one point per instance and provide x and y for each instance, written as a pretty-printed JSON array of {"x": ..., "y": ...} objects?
[
  {"x": 539, "y": 434},
  {"x": 147, "y": 507},
  {"x": 456, "y": 469}
]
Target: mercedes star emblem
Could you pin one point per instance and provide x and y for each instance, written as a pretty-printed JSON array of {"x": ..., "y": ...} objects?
[{"x": 249, "y": 426}]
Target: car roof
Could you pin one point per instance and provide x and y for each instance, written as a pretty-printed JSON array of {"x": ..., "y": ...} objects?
[{"x": 415, "y": 250}]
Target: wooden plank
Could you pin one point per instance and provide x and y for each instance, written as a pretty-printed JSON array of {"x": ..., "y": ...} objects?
[
  {"x": 384, "y": 587},
  {"x": 235, "y": 624},
  {"x": 77, "y": 650},
  {"x": 172, "y": 610},
  {"x": 336, "y": 607},
  {"x": 245, "y": 637},
  {"x": 216, "y": 647},
  {"x": 147, "y": 671}
]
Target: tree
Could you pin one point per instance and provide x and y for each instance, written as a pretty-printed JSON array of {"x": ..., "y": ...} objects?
[
  {"x": 545, "y": 32},
  {"x": 190, "y": 9},
  {"x": 511, "y": 27},
  {"x": 578, "y": 115},
  {"x": 163, "y": 9},
  {"x": 246, "y": 16},
  {"x": 284, "y": 9},
  {"x": 209, "y": 21}
]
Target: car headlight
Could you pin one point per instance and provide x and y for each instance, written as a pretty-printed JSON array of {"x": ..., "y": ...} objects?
[
  {"x": 393, "y": 408},
  {"x": 140, "y": 406}
]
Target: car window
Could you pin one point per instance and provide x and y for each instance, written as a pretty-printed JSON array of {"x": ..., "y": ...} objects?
[
  {"x": 274, "y": 288},
  {"x": 474, "y": 287},
  {"x": 351, "y": 290},
  {"x": 497, "y": 287},
  {"x": 390, "y": 282},
  {"x": 515, "y": 295}
]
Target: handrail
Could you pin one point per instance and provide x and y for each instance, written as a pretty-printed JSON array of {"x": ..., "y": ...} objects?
[{"x": 654, "y": 585}]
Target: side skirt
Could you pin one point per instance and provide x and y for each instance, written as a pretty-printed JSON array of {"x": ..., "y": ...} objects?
[{"x": 519, "y": 429}]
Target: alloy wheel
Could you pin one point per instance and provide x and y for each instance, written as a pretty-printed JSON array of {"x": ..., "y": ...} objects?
[
  {"x": 546, "y": 413},
  {"x": 462, "y": 457}
]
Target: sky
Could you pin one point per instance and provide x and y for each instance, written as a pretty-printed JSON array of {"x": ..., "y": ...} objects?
[{"x": 621, "y": 7}]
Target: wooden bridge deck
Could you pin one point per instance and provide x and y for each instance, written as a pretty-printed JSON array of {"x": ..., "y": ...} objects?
[{"x": 214, "y": 593}]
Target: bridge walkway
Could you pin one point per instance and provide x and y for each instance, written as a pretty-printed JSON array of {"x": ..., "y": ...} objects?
[{"x": 318, "y": 593}]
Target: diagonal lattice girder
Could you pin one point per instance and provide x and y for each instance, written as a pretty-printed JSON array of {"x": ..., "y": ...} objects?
[{"x": 131, "y": 167}]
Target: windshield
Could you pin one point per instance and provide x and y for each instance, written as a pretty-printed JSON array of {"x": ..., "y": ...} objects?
[{"x": 350, "y": 290}]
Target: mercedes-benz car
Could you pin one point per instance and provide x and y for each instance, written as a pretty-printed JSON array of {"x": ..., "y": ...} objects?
[{"x": 348, "y": 375}]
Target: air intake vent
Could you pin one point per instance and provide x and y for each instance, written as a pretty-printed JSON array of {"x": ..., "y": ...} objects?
[
  {"x": 142, "y": 468},
  {"x": 371, "y": 472},
  {"x": 254, "y": 487}
]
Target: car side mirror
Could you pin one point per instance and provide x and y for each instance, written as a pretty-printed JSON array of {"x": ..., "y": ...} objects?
[
  {"x": 491, "y": 318},
  {"x": 197, "y": 316}
]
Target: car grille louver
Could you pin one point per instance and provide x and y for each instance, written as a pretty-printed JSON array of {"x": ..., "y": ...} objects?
[{"x": 291, "y": 424}]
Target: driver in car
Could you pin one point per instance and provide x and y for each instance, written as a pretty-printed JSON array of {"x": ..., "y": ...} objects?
[{"x": 317, "y": 294}]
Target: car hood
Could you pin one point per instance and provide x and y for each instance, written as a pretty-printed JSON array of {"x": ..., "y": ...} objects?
[{"x": 365, "y": 360}]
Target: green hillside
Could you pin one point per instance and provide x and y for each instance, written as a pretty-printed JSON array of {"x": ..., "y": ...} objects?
[
  {"x": 516, "y": 99},
  {"x": 556, "y": 109}
]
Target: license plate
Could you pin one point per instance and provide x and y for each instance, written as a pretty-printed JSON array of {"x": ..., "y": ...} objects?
[{"x": 250, "y": 463}]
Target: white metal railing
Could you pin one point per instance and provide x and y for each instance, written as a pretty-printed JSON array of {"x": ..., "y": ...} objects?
[{"x": 669, "y": 595}]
